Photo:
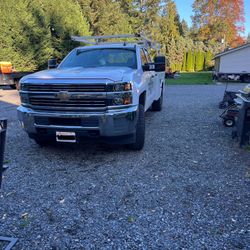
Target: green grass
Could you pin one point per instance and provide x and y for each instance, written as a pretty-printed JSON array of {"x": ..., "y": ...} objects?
[{"x": 191, "y": 78}]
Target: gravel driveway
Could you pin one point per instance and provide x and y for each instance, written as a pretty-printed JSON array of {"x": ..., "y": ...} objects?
[{"x": 188, "y": 189}]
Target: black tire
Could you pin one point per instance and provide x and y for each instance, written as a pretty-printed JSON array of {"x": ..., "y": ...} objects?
[
  {"x": 246, "y": 79},
  {"x": 140, "y": 131},
  {"x": 41, "y": 142},
  {"x": 228, "y": 122},
  {"x": 13, "y": 86},
  {"x": 157, "y": 105}
]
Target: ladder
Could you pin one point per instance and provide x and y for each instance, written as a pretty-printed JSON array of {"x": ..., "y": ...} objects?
[{"x": 140, "y": 39}]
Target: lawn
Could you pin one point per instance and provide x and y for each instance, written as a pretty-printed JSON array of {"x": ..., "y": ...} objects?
[{"x": 191, "y": 78}]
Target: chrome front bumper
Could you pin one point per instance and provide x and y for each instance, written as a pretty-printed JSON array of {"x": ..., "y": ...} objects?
[{"x": 111, "y": 123}]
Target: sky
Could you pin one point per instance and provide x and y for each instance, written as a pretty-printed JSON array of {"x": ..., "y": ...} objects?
[{"x": 185, "y": 11}]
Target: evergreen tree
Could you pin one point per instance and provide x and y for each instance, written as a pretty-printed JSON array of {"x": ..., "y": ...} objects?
[
  {"x": 41, "y": 30},
  {"x": 199, "y": 60},
  {"x": 180, "y": 52},
  {"x": 183, "y": 68},
  {"x": 169, "y": 32},
  {"x": 208, "y": 60},
  {"x": 190, "y": 61},
  {"x": 184, "y": 29},
  {"x": 105, "y": 17},
  {"x": 65, "y": 19},
  {"x": 16, "y": 43}
]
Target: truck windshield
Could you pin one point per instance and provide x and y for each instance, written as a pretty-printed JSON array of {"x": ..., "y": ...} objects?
[{"x": 90, "y": 58}]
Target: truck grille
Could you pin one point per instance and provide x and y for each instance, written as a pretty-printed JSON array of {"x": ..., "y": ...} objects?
[
  {"x": 68, "y": 97},
  {"x": 71, "y": 103},
  {"x": 66, "y": 87}
]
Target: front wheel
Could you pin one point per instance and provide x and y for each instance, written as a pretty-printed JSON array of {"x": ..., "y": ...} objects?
[
  {"x": 140, "y": 131},
  {"x": 157, "y": 105},
  {"x": 41, "y": 142}
]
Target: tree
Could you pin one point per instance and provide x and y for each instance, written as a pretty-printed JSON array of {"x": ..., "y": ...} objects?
[
  {"x": 190, "y": 61},
  {"x": 180, "y": 53},
  {"x": 105, "y": 17},
  {"x": 184, "y": 29},
  {"x": 32, "y": 31},
  {"x": 65, "y": 18},
  {"x": 248, "y": 38},
  {"x": 208, "y": 60},
  {"x": 219, "y": 20},
  {"x": 169, "y": 33}
]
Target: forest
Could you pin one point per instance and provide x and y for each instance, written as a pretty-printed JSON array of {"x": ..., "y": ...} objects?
[{"x": 32, "y": 31}]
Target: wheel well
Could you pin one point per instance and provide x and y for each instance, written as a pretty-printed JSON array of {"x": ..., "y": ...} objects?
[{"x": 142, "y": 98}]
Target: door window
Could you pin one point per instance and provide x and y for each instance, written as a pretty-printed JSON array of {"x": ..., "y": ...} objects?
[
  {"x": 143, "y": 57},
  {"x": 147, "y": 56}
]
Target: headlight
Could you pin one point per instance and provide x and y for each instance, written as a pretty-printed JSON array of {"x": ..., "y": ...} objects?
[
  {"x": 122, "y": 99},
  {"x": 119, "y": 87}
]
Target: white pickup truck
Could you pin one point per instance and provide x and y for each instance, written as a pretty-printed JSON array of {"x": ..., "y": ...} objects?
[{"x": 97, "y": 92}]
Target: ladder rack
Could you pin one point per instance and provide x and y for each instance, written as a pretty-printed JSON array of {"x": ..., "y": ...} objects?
[{"x": 137, "y": 38}]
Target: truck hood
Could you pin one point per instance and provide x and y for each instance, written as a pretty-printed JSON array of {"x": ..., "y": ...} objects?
[{"x": 103, "y": 73}]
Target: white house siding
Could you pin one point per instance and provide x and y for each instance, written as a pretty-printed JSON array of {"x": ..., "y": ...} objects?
[{"x": 236, "y": 62}]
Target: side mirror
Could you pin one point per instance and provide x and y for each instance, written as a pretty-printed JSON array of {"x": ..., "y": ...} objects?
[
  {"x": 160, "y": 63},
  {"x": 148, "y": 67},
  {"x": 52, "y": 63}
]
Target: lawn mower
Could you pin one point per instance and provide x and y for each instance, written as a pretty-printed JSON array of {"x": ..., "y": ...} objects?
[
  {"x": 228, "y": 98},
  {"x": 232, "y": 104}
]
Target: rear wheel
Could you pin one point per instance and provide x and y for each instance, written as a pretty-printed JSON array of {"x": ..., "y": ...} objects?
[
  {"x": 157, "y": 105},
  {"x": 13, "y": 86},
  {"x": 140, "y": 131},
  {"x": 246, "y": 79},
  {"x": 228, "y": 122}
]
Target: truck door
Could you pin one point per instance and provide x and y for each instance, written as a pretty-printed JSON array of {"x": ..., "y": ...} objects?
[
  {"x": 148, "y": 78},
  {"x": 155, "y": 86}
]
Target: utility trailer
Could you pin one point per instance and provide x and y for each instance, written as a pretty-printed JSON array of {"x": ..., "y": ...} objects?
[
  {"x": 9, "y": 76},
  {"x": 233, "y": 64}
]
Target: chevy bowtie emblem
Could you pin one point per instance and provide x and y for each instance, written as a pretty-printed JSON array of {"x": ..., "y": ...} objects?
[{"x": 63, "y": 96}]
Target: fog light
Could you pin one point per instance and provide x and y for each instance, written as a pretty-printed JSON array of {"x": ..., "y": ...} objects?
[
  {"x": 118, "y": 101},
  {"x": 127, "y": 100},
  {"x": 24, "y": 99}
]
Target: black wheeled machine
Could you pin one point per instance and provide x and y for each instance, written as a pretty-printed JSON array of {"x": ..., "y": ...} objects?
[{"x": 231, "y": 104}]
